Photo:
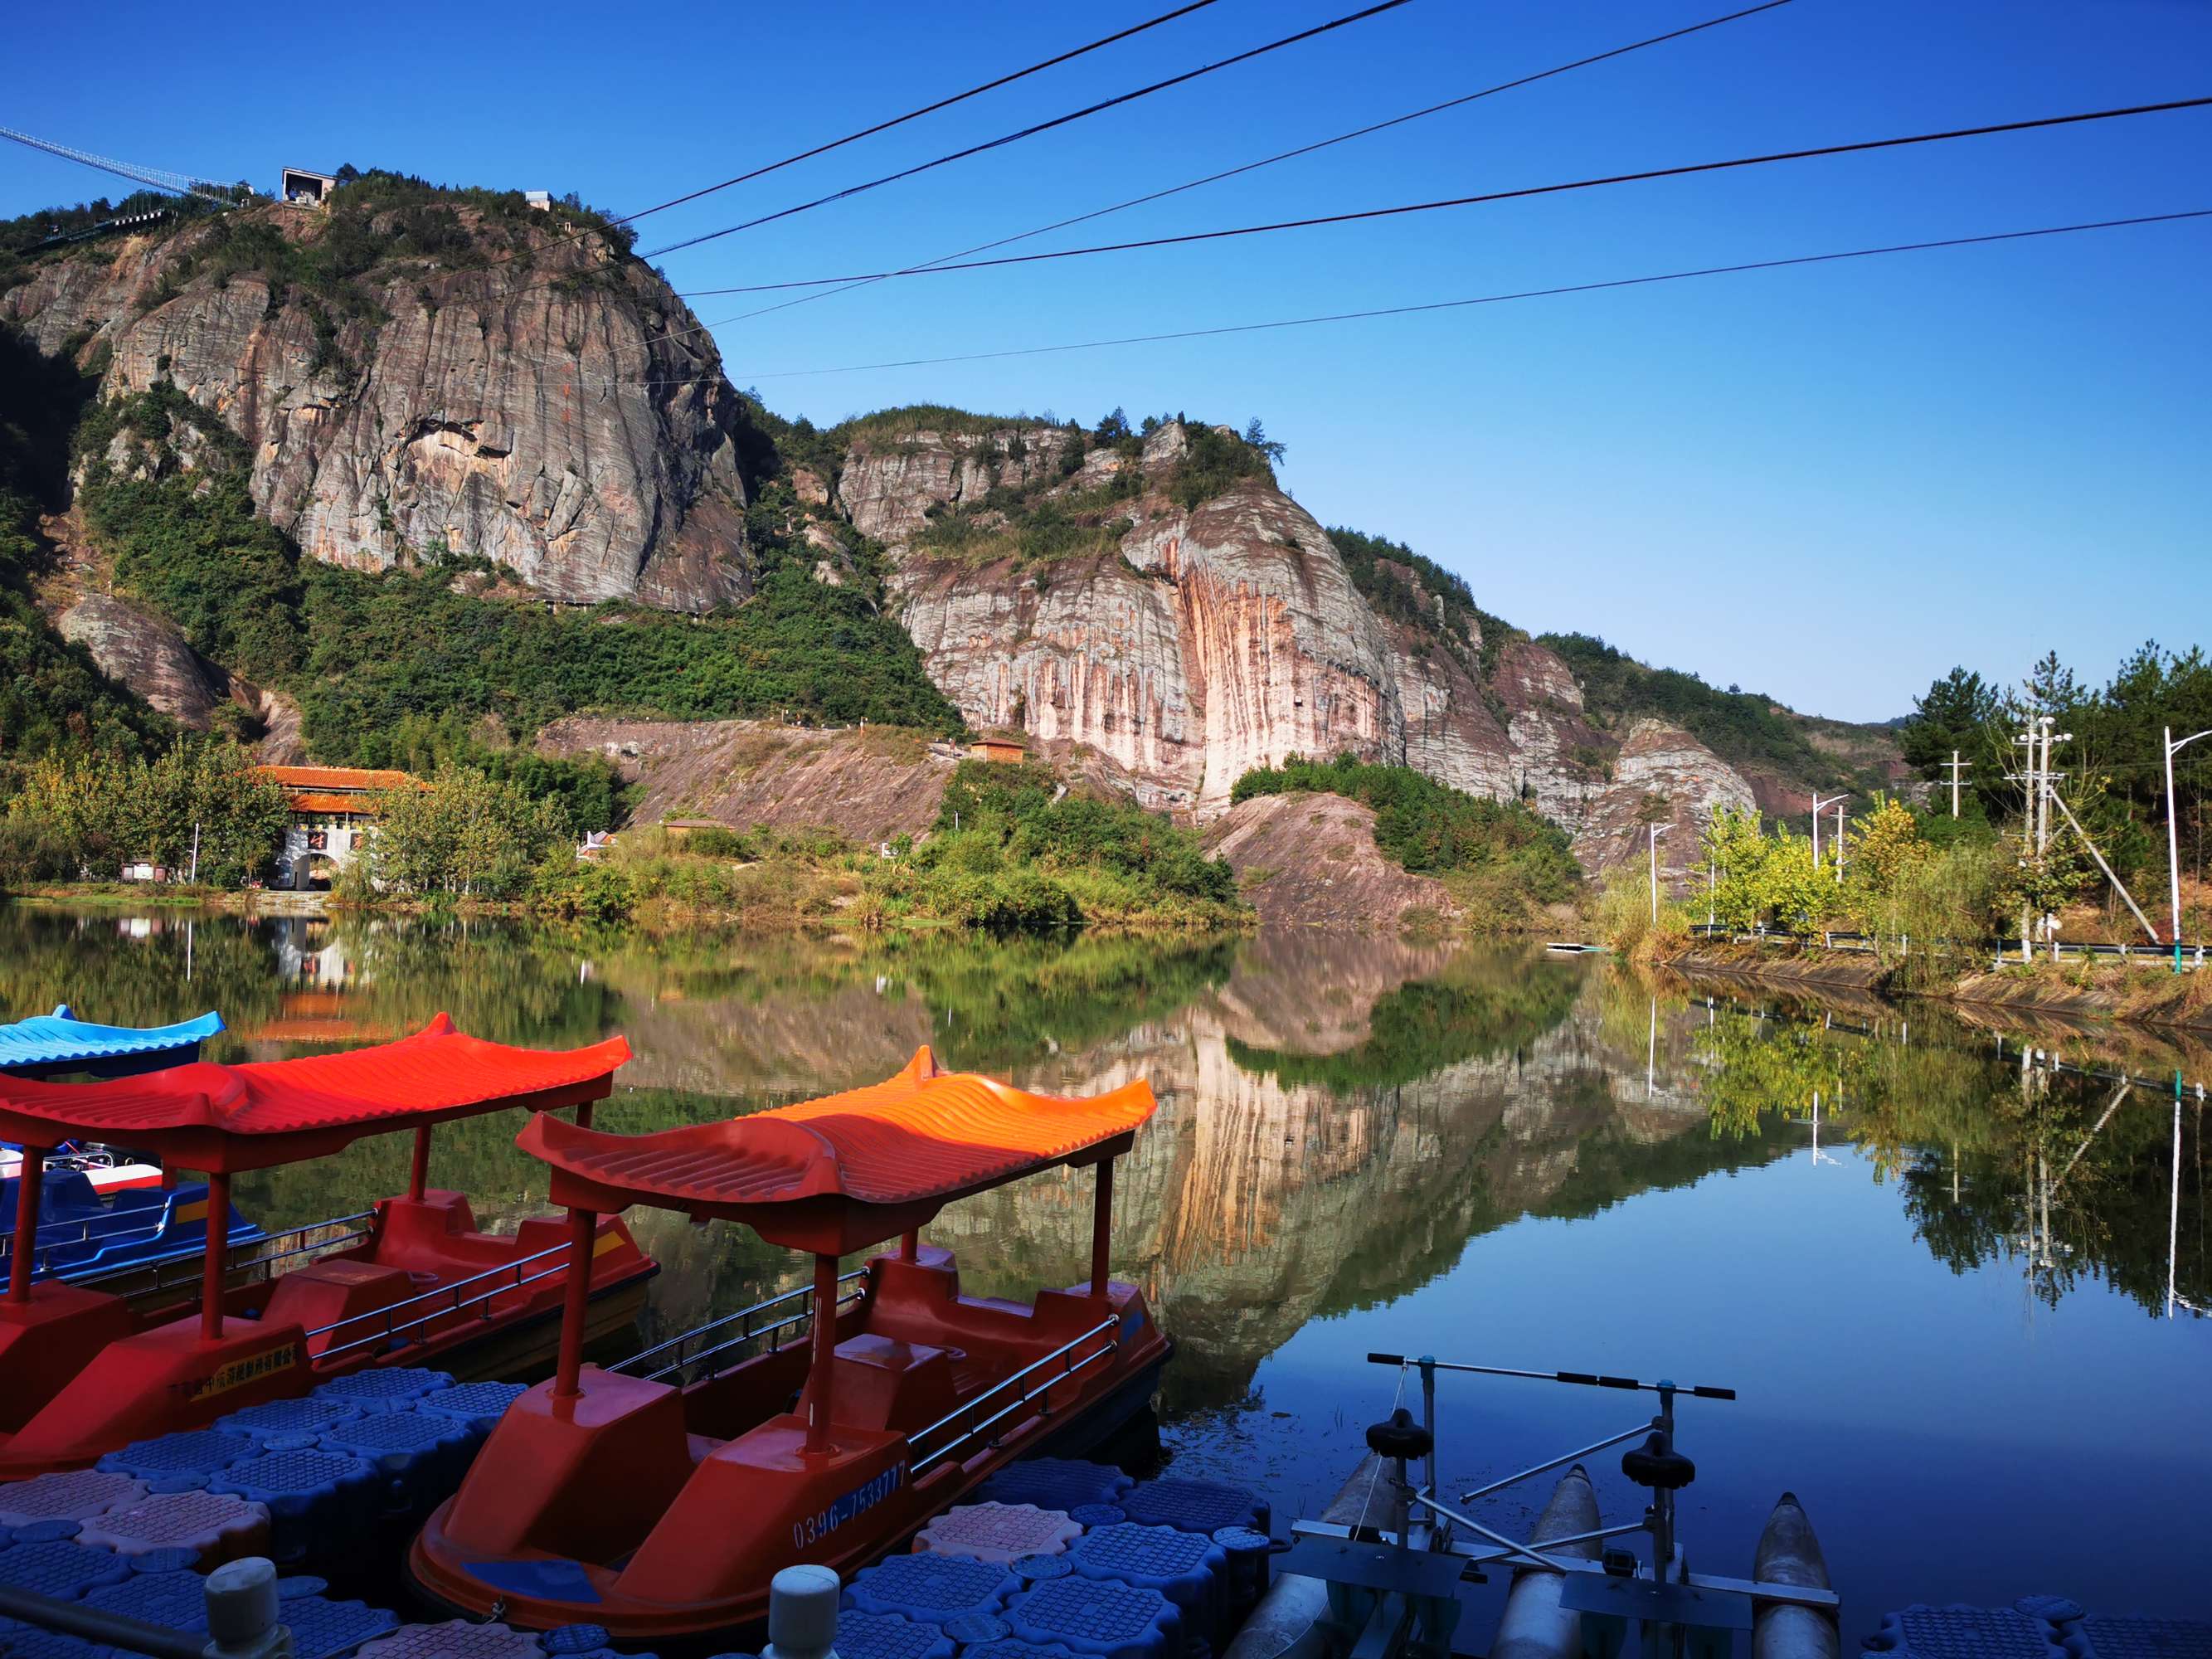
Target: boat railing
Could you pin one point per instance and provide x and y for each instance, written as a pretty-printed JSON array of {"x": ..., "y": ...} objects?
[
  {"x": 747, "y": 1331},
  {"x": 384, "y": 1326},
  {"x": 174, "y": 1275},
  {"x": 1062, "y": 1357}
]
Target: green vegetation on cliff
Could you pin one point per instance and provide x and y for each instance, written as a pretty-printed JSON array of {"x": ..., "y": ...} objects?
[
  {"x": 1743, "y": 728},
  {"x": 1011, "y": 853},
  {"x": 52, "y": 697},
  {"x": 366, "y": 653}
]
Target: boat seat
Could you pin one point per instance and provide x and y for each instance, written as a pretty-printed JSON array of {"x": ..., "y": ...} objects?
[
  {"x": 324, "y": 1292},
  {"x": 881, "y": 1383}
]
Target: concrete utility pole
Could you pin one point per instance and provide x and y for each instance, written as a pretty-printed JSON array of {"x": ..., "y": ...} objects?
[
  {"x": 1957, "y": 767},
  {"x": 2174, "y": 841},
  {"x": 1657, "y": 830},
  {"x": 1840, "y": 841}
]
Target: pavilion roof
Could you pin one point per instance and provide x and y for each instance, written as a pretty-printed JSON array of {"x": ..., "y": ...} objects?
[{"x": 848, "y": 1170}]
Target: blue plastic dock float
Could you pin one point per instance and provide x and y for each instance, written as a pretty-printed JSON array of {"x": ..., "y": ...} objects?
[
  {"x": 1111, "y": 1620},
  {"x": 1056, "y": 1483},
  {"x": 888, "y": 1636},
  {"x": 931, "y": 1588},
  {"x": 322, "y": 1503}
]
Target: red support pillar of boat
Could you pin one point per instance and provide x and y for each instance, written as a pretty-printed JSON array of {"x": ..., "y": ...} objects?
[
  {"x": 212, "y": 1260},
  {"x": 825, "y": 1353},
  {"x": 418, "y": 1171},
  {"x": 583, "y": 1115},
  {"x": 1102, "y": 1225},
  {"x": 30, "y": 1176},
  {"x": 583, "y": 1237},
  {"x": 910, "y": 1244}
]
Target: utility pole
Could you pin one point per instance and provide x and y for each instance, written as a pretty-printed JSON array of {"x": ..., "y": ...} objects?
[
  {"x": 1657, "y": 830},
  {"x": 194, "y": 879},
  {"x": 1957, "y": 767},
  {"x": 1840, "y": 841}
]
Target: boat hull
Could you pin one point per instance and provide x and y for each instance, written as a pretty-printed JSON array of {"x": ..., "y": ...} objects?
[
  {"x": 622, "y": 1474},
  {"x": 1788, "y": 1553},
  {"x": 82, "y": 1372}
]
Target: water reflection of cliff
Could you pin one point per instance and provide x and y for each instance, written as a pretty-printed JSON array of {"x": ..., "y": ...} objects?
[{"x": 1338, "y": 1117}]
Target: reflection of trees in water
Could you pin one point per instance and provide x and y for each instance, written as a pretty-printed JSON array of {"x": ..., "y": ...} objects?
[
  {"x": 1478, "y": 1008},
  {"x": 2062, "y": 1176},
  {"x": 122, "y": 970}
]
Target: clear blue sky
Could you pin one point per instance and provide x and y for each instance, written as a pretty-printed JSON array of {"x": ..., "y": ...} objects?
[{"x": 1827, "y": 484}]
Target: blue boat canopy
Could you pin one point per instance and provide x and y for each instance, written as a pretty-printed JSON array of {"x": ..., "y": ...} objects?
[{"x": 50, "y": 1045}]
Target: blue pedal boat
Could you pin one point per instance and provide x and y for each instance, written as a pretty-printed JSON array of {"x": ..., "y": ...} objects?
[{"x": 101, "y": 1211}]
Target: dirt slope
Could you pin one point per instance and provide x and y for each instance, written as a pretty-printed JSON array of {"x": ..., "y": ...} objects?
[
  {"x": 1311, "y": 861},
  {"x": 869, "y": 784}
]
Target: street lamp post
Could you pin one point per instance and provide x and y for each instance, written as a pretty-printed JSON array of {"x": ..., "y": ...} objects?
[
  {"x": 1657, "y": 830},
  {"x": 1818, "y": 807},
  {"x": 2173, "y": 835}
]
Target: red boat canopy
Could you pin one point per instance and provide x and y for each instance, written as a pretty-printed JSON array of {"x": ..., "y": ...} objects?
[
  {"x": 832, "y": 1176},
  {"x": 223, "y": 1118}
]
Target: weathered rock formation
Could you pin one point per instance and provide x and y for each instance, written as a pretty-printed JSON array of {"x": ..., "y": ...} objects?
[
  {"x": 1215, "y": 639},
  {"x": 1663, "y": 776},
  {"x": 146, "y": 652},
  {"x": 539, "y": 413}
]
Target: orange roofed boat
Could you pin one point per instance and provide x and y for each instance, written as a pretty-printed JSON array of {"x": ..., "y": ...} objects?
[
  {"x": 661, "y": 1508},
  {"x": 84, "y": 1370}
]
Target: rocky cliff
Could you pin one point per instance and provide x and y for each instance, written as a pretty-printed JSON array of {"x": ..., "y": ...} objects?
[
  {"x": 417, "y": 370},
  {"x": 432, "y": 375},
  {"x": 1191, "y": 642}
]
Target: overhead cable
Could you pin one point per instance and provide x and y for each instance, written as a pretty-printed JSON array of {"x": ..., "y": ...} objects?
[
  {"x": 1264, "y": 161},
  {"x": 1522, "y": 193},
  {"x": 823, "y": 149},
  {"x": 1032, "y": 130},
  {"x": 1478, "y": 299}
]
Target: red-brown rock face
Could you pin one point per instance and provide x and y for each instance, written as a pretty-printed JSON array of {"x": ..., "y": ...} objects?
[{"x": 537, "y": 413}]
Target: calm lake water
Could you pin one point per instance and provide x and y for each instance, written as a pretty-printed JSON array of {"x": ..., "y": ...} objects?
[{"x": 1960, "y": 1307}]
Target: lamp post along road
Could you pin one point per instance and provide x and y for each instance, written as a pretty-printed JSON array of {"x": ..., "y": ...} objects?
[
  {"x": 2172, "y": 835},
  {"x": 1818, "y": 807}
]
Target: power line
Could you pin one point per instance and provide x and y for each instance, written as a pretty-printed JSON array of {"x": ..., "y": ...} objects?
[
  {"x": 1345, "y": 21},
  {"x": 1270, "y": 160},
  {"x": 884, "y": 126},
  {"x": 1858, "y": 148},
  {"x": 1479, "y": 299}
]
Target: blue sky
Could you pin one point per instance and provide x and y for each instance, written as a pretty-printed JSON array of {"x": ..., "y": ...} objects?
[{"x": 1827, "y": 484}]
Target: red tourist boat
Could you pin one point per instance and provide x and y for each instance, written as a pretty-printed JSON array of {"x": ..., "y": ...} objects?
[
  {"x": 660, "y": 1507},
  {"x": 84, "y": 1370}
]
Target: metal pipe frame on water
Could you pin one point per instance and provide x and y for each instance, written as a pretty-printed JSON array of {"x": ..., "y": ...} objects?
[{"x": 913, "y": 1440}]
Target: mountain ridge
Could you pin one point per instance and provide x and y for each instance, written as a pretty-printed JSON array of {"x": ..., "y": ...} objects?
[{"x": 393, "y": 412}]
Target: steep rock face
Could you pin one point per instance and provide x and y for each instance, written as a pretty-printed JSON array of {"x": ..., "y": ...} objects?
[
  {"x": 136, "y": 648},
  {"x": 1661, "y": 776},
  {"x": 1210, "y": 640},
  {"x": 540, "y": 413}
]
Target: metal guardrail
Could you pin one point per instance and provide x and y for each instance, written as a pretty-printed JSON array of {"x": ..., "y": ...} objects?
[
  {"x": 921, "y": 1459},
  {"x": 187, "y": 1270},
  {"x": 2193, "y": 955},
  {"x": 747, "y": 1331},
  {"x": 451, "y": 1301}
]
